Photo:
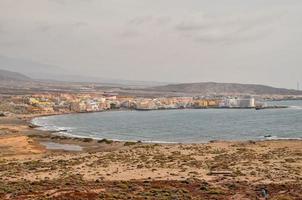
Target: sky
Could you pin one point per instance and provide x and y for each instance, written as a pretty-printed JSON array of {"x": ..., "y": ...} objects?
[{"x": 256, "y": 41}]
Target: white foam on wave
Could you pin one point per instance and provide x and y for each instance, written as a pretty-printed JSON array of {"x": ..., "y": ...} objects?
[
  {"x": 68, "y": 134},
  {"x": 55, "y": 128},
  {"x": 296, "y": 107},
  {"x": 44, "y": 126},
  {"x": 273, "y": 137},
  {"x": 160, "y": 142}
]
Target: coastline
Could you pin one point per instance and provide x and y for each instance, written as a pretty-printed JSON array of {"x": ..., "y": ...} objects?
[
  {"x": 110, "y": 168},
  {"x": 51, "y": 133},
  {"x": 63, "y": 131},
  {"x": 33, "y": 131}
]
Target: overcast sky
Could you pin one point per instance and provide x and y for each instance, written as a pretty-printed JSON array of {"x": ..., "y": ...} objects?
[{"x": 246, "y": 41}]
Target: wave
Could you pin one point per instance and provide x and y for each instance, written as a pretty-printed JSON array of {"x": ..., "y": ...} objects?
[
  {"x": 54, "y": 128},
  {"x": 67, "y": 131},
  {"x": 296, "y": 107},
  {"x": 274, "y": 137},
  {"x": 47, "y": 127},
  {"x": 68, "y": 134}
]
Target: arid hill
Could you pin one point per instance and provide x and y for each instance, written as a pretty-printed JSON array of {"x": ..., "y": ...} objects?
[
  {"x": 10, "y": 81},
  {"x": 12, "y": 76},
  {"x": 206, "y": 88}
]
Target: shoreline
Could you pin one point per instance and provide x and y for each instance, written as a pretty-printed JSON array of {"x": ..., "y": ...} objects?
[
  {"x": 64, "y": 133},
  {"x": 27, "y": 119},
  {"x": 166, "y": 109}
]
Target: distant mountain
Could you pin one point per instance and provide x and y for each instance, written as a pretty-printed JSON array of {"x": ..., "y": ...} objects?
[
  {"x": 10, "y": 79},
  {"x": 8, "y": 76},
  {"x": 207, "y": 88},
  {"x": 46, "y": 72},
  {"x": 32, "y": 69}
]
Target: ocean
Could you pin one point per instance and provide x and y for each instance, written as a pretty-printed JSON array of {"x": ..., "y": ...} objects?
[{"x": 182, "y": 126}]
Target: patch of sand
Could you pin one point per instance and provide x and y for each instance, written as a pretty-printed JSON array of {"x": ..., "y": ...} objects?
[{"x": 18, "y": 145}]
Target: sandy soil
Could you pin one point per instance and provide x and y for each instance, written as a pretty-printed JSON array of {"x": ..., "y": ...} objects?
[{"x": 115, "y": 170}]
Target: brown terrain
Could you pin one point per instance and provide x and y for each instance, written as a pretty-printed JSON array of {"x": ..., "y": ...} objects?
[
  {"x": 114, "y": 170},
  {"x": 13, "y": 83}
]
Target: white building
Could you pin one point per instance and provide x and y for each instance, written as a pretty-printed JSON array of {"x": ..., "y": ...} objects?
[{"x": 240, "y": 102}]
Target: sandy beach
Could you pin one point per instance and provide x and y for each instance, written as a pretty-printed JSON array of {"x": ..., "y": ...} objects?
[{"x": 125, "y": 170}]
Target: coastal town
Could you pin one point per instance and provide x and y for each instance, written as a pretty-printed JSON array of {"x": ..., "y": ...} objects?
[{"x": 65, "y": 103}]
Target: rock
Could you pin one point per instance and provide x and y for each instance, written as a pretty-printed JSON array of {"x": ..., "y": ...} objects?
[{"x": 32, "y": 125}]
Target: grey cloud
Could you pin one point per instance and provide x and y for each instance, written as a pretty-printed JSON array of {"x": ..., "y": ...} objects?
[
  {"x": 44, "y": 27},
  {"x": 163, "y": 20},
  {"x": 189, "y": 26},
  {"x": 134, "y": 27},
  {"x": 130, "y": 34},
  {"x": 159, "y": 40},
  {"x": 3, "y": 27},
  {"x": 140, "y": 20},
  {"x": 232, "y": 28},
  {"x": 232, "y": 38},
  {"x": 80, "y": 24},
  {"x": 65, "y": 2},
  {"x": 47, "y": 27},
  {"x": 183, "y": 26},
  {"x": 155, "y": 20}
]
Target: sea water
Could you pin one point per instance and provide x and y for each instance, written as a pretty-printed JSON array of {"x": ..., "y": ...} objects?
[{"x": 182, "y": 126}]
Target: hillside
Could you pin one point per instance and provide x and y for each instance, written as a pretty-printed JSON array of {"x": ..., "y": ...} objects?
[
  {"x": 7, "y": 76},
  {"x": 50, "y": 73},
  {"x": 12, "y": 80},
  {"x": 207, "y": 88}
]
